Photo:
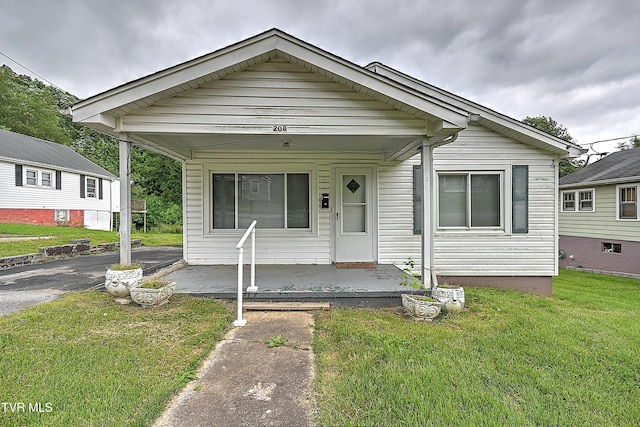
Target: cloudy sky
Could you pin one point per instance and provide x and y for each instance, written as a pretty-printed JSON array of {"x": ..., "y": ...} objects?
[{"x": 577, "y": 61}]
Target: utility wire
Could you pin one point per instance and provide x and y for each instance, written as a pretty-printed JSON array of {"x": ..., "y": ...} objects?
[
  {"x": 32, "y": 72},
  {"x": 612, "y": 139}
]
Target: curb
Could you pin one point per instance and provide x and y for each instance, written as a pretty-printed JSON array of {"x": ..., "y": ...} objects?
[{"x": 53, "y": 253}]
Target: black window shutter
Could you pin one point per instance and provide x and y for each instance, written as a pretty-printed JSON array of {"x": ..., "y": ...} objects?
[
  {"x": 100, "y": 188},
  {"x": 82, "y": 181},
  {"x": 520, "y": 199},
  {"x": 18, "y": 175},
  {"x": 417, "y": 199},
  {"x": 58, "y": 180}
]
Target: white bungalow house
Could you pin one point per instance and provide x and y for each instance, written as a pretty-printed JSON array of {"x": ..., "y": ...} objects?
[
  {"x": 327, "y": 156},
  {"x": 46, "y": 183}
]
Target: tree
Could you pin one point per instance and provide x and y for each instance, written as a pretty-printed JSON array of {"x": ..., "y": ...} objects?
[
  {"x": 550, "y": 126},
  {"x": 29, "y": 107},
  {"x": 633, "y": 142}
]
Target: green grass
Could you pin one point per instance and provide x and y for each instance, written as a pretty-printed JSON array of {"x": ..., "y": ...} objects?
[
  {"x": 62, "y": 236},
  {"x": 509, "y": 359},
  {"x": 89, "y": 361}
]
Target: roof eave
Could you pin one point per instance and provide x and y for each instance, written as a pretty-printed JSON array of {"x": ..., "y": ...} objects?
[
  {"x": 107, "y": 176},
  {"x": 483, "y": 115},
  {"x": 623, "y": 180}
]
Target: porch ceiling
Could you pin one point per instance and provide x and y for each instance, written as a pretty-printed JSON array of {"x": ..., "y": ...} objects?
[{"x": 182, "y": 146}]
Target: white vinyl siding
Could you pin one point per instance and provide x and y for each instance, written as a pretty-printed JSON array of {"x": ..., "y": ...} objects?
[
  {"x": 469, "y": 253},
  {"x": 456, "y": 253},
  {"x": 270, "y": 97},
  {"x": 603, "y": 222},
  {"x": 293, "y": 246},
  {"x": 44, "y": 197}
]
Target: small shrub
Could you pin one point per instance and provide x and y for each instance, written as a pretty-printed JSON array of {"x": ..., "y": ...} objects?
[{"x": 409, "y": 277}]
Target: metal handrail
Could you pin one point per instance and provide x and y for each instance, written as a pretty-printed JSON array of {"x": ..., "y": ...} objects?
[{"x": 253, "y": 288}]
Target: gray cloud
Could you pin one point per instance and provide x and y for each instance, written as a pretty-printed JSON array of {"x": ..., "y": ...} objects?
[{"x": 576, "y": 61}]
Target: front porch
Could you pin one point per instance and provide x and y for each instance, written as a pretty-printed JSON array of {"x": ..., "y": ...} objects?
[{"x": 375, "y": 287}]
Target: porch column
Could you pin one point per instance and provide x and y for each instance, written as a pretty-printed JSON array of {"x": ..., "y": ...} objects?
[
  {"x": 426, "y": 161},
  {"x": 125, "y": 200}
]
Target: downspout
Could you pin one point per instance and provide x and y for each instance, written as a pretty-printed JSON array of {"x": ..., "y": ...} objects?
[
  {"x": 556, "y": 183},
  {"x": 429, "y": 277}
]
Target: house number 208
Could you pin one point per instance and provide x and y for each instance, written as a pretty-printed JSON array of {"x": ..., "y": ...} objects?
[{"x": 280, "y": 128}]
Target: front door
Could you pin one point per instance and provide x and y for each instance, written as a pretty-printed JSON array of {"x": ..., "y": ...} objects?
[{"x": 354, "y": 216}]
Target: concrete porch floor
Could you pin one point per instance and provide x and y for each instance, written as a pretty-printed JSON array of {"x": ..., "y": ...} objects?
[{"x": 339, "y": 286}]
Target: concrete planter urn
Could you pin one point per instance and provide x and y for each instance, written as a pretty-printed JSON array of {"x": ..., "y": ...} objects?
[
  {"x": 152, "y": 296},
  {"x": 421, "y": 308},
  {"x": 452, "y": 298},
  {"x": 118, "y": 281}
]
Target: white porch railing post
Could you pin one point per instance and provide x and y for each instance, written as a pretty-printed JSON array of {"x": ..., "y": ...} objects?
[
  {"x": 240, "y": 321},
  {"x": 253, "y": 288}
]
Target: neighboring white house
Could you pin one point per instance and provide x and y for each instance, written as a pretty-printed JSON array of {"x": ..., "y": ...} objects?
[
  {"x": 46, "y": 183},
  {"x": 327, "y": 156},
  {"x": 599, "y": 222}
]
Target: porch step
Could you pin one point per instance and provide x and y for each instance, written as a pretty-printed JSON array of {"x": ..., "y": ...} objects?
[{"x": 285, "y": 306}]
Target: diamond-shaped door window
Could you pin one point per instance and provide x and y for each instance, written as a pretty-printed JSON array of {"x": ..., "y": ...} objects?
[{"x": 353, "y": 186}]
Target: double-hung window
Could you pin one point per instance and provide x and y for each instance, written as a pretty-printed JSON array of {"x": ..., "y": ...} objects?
[
  {"x": 470, "y": 200},
  {"x": 568, "y": 201},
  {"x": 628, "y": 202},
  {"x": 32, "y": 177},
  {"x": 91, "y": 187},
  {"x": 578, "y": 200},
  {"x": 46, "y": 179},
  {"x": 275, "y": 200}
]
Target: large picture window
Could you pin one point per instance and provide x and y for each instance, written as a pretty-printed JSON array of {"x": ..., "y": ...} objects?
[
  {"x": 470, "y": 200},
  {"x": 276, "y": 201}
]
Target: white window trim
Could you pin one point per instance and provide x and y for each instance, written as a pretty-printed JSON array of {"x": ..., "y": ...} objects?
[
  {"x": 26, "y": 177},
  {"x": 505, "y": 188},
  {"x": 52, "y": 178},
  {"x": 620, "y": 186},
  {"x": 576, "y": 200},
  {"x": 86, "y": 188},
  {"x": 39, "y": 182},
  {"x": 280, "y": 168}
]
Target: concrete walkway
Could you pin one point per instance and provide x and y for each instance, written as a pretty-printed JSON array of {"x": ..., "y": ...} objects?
[{"x": 246, "y": 383}]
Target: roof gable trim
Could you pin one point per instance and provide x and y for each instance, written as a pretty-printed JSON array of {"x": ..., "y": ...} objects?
[{"x": 262, "y": 48}]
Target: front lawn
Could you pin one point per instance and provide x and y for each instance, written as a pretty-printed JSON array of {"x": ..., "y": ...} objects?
[
  {"x": 62, "y": 236},
  {"x": 509, "y": 359},
  {"x": 85, "y": 360}
]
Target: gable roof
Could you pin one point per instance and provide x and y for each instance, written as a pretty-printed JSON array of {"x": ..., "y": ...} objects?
[
  {"x": 103, "y": 109},
  {"x": 19, "y": 148},
  {"x": 446, "y": 113},
  {"x": 621, "y": 166},
  {"x": 484, "y": 116}
]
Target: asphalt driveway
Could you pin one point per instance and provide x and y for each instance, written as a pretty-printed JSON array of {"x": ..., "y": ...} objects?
[{"x": 36, "y": 283}]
